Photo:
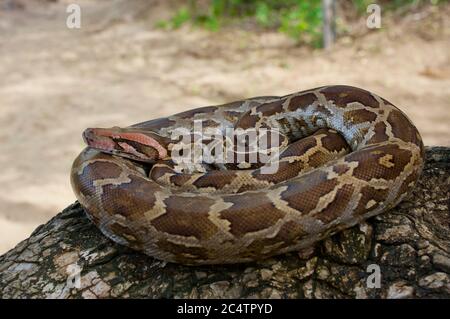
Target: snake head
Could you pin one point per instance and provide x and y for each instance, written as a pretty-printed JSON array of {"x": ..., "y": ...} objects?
[{"x": 133, "y": 143}]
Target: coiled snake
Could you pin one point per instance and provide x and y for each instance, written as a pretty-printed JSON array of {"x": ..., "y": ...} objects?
[{"x": 352, "y": 155}]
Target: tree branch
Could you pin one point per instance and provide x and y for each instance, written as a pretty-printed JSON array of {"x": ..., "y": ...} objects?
[{"x": 69, "y": 258}]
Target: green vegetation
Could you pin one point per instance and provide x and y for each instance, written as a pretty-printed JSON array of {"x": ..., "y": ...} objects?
[{"x": 300, "y": 19}]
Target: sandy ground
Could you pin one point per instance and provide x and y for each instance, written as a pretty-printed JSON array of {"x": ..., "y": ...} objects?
[{"x": 118, "y": 70}]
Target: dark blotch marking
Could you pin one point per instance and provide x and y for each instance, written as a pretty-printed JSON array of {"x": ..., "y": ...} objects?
[
  {"x": 216, "y": 179},
  {"x": 186, "y": 216},
  {"x": 304, "y": 196},
  {"x": 402, "y": 127},
  {"x": 289, "y": 234},
  {"x": 302, "y": 101},
  {"x": 180, "y": 179},
  {"x": 96, "y": 171},
  {"x": 380, "y": 134},
  {"x": 299, "y": 147},
  {"x": 247, "y": 121},
  {"x": 369, "y": 162},
  {"x": 333, "y": 141},
  {"x": 341, "y": 169},
  {"x": 150, "y": 152},
  {"x": 250, "y": 213},
  {"x": 337, "y": 206},
  {"x": 184, "y": 254},
  {"x": 343, "y": 94},
  {"x": 369, "y": 193},
  {"x": 159, "y": 171},
  {"x": 359, "y": 116},
  {"x": 210, "y": 123},
  {"x": 245, "y": 187},
  {"x": 129, "y": 199},
  {"x": 285, "y": 171},
  {"x": 271, "y": 108}
]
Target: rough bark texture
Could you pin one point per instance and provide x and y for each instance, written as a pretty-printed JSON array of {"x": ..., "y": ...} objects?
[{"x": 69, "y": 258}]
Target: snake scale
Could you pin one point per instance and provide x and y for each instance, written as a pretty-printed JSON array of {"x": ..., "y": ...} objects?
[{"x": 350, "y": 155}]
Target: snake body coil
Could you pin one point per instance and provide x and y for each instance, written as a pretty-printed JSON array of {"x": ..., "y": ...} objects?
[{"x": 323, "y": 185}]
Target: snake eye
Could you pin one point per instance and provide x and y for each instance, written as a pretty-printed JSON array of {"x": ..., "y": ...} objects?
[{"x": 136, "y": 150}]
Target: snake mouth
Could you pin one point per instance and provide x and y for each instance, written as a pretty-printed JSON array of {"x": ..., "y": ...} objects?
[
  {"x": 97, "y": 141},
  {"x": 130, "y": 143}
]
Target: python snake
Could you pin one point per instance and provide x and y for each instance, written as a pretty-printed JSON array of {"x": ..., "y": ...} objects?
[{"x": 350, "y": 155}]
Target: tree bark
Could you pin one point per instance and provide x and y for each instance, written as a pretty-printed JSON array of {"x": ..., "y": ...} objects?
[{"x": 410, "y": 246}]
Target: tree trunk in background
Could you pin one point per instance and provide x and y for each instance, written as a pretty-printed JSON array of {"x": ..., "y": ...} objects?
[
  {"x": 329, "y": 22},
  {"x": 69, "y": 258}
]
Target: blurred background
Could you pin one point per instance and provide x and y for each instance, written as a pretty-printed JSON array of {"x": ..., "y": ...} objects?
[{"x": 134, "y": 60}]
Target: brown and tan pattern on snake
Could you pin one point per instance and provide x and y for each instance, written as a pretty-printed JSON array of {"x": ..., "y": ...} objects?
[
  {"x": 239, "y": 216},
  {"x": 299, "y": 157}
]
